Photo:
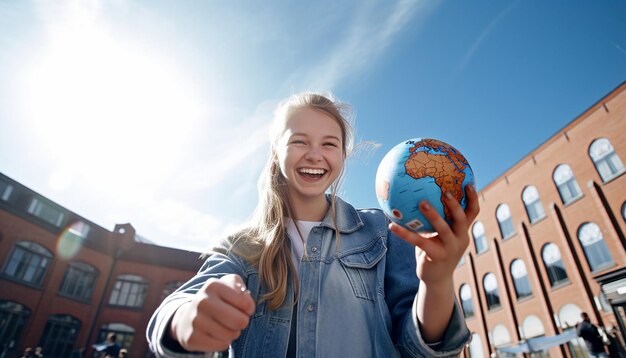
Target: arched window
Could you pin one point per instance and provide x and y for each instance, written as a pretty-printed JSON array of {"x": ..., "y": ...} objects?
[
  {"x": 13, "y": 318},
  {"x": 480, "y": 241},
  {"x": 534, "y": 208},
  {"x": 597, "y": 253},
  {"x": 476, "y": 347},
  {"x": 59, "y": 336},
  {"x": 606, "y": 161},
  {"x": 533, "y": 327},
  {"x": 28, "y": 263},
  {"x": 554, "y": 265},
  {"x": 520, "y": 279},
  {"x": 491, "y": 291},
  {"x": 569, "y": 315},
  {"x": 129, "y": 291},
  {"x": 124, "y": 334},
  {"x": 500, "y": 336},
  {"x": 466, "y": 300},
  {"x": 566, "y": 184},
  {"x": 503, "y": 214},
  {"x": 79, "y": 281}
]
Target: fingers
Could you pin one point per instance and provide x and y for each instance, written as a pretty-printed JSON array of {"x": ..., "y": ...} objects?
[
  {"x": 215, "y": 317},
  {"x": 238, "y": 295},
  {"x": 219, "y": 310},
  {"x": 449, "y": 234},
  {"x": 459, "y": 218},
  {"x": 432, "y": 248},
  {"x": 438, "y": 223}
]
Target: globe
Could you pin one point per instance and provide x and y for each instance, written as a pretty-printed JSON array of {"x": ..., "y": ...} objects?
[{"x": 416, "y": 170}]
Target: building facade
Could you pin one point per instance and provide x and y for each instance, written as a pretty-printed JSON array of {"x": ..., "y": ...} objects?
[
  {"x": 66, "y": 283},
  {"x": 549, "y": 241}
]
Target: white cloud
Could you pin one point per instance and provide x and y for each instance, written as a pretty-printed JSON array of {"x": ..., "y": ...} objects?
[
  {"x": 180, "y": 225},
  {"x": 370, "y": 34}
]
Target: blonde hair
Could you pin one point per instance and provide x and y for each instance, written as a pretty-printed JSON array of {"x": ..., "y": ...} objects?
[{"x": 265, "y": 243}]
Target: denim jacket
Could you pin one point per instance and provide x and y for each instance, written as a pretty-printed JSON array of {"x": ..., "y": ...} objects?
[{"x": 357, "y": 298}]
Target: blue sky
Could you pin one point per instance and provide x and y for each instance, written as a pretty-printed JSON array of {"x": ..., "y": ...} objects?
[{"x": 156, "y": 112}]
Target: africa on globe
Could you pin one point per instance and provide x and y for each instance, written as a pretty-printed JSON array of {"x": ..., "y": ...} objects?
[{"x": 421, "y": 169}]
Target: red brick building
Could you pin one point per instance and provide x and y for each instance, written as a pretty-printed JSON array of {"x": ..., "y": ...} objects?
[
  {"x": 65, "y": 282},
  {"x": 549, "y": 241}
]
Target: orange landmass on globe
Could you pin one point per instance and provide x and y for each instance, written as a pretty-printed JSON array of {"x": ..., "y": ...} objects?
[{"x": 445, "y": 169}]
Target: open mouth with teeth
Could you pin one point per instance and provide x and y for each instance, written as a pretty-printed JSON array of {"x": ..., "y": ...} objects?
[{"x": 312, "y": 174}]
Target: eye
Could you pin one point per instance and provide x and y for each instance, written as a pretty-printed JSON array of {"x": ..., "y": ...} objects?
[
  {"x": 330, "y": 144},
  {"x": 297, "y": 141}
]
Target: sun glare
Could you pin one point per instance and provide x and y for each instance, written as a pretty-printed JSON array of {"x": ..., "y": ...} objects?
[{"x": 97, "y": 101}]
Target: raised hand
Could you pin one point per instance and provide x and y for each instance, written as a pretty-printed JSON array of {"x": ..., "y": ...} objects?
[
  {"x": 215, "y": 317},
  {"x": 436, "y": 258},
  {"x": 438, "y": 254}
]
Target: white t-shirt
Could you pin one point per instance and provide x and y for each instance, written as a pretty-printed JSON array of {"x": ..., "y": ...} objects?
[{"x": 297, "y": 242}]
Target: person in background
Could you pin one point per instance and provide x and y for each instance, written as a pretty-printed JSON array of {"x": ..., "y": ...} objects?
[
  {"x": 123, "y": 353},
  {"x": 28, "y": 353},
  {"x": 312, "y": 276},
  {"x": 616, "y": 349},
  {"x": 590, "y": 334},
  {"x": 112, "y": 349}
]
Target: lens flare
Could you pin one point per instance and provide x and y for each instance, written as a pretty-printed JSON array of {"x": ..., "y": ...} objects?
[{"x": 71, "y": 240}]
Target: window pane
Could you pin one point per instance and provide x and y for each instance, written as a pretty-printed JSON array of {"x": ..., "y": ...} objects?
[
  {"x": 59, "y": 336},
  {"x": 520, "y": 279},
  {"x": 15, "y": 260},
  {"x": 533, "y": 205},
  {"x": 478, "y": 232},
  {"x": 607, "y": 162},
  {"x": 46, "y": 212},
  {"x": 28, "y": 263},
  {"x": 500, "y": 335},
  {"x": 13, "y": 319},
  {"x": 594, "y": 246},
  {"x": 5, "y": 191},
  {"x": 503, "y": 214},
  {"x": 491, "y": 291},
  {"x": 566, "y": 183},
  {"x": 562, "y": 174},
  {"x": 129, "y": 291},
  {"x": 466, "y": 300},
  {"x": 79, "y": 280},
  {"x": 554, "y": 265}
]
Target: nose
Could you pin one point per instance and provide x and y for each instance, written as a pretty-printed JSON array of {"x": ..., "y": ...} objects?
[{"x": 313, "y": 154}]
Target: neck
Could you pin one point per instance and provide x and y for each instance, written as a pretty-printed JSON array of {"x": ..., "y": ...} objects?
[{"x": 309, "y": 209}]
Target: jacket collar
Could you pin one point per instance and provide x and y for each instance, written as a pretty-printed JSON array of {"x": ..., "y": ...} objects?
[{"x": 348, "y": 219}]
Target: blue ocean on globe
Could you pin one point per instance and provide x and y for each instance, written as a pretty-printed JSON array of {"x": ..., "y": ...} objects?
[{"x": 416, "y": 170}]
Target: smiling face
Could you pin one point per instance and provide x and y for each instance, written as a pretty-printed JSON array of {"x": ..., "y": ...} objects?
[{"x": 310, "y": 154}]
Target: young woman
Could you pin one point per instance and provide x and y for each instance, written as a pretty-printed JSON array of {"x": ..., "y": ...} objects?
[{"x": 314, "y": 277}]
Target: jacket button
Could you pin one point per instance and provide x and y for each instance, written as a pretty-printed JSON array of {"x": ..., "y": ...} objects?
[
  {"x": 310, "y": 307},
  {"x": 314, "y": 249},
  {"x": 315, "y": 230}
]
